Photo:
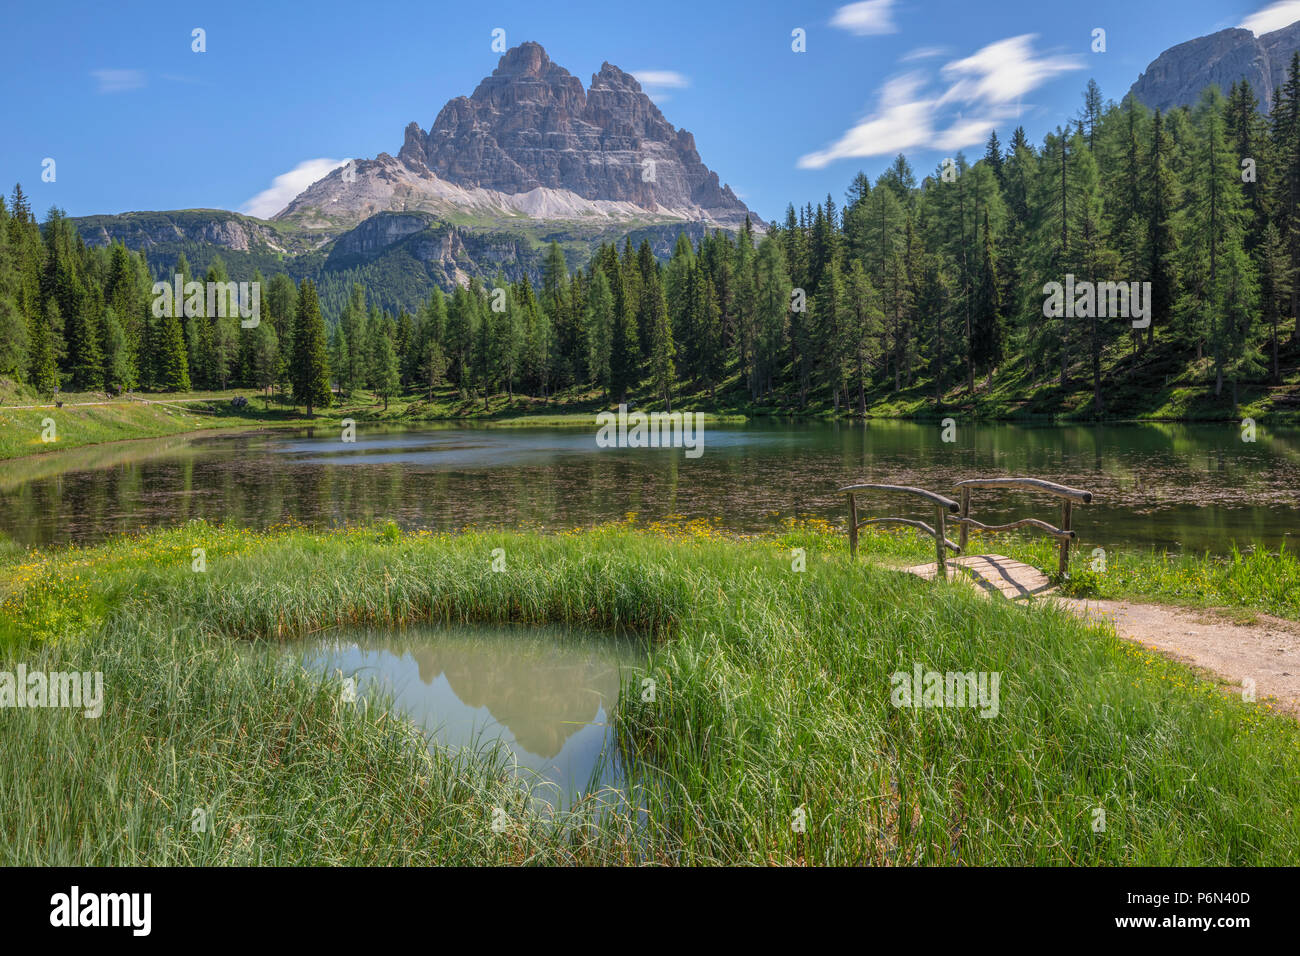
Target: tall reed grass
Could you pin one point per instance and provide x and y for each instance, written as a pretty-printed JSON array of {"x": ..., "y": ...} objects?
[{"x": 771, "y": 709}]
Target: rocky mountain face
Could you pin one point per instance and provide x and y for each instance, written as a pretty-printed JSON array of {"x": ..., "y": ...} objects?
[
  {"x": 531, "y": 142},
  {"x": 530, "y": 157},
  {"x": 153, "y": 232},
  {"x": 1177, "y": 76}
]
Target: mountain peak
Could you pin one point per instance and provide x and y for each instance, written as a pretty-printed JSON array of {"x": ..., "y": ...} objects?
[
  {"x": 1178, "y": 75},
  {"x": 611, "y": 77},
  {"x": 531, "y": 140},
  {"x": 526, "y": 59}
]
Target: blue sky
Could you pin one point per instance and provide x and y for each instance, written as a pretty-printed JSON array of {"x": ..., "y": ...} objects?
[{"x": 134, "y": 119}]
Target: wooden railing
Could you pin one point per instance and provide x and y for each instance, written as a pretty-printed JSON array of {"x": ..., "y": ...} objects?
[
  {"x": 945, "y": 506},
  {"x": 1069, "y": 497},
  {"x": 942, "y": 508}
]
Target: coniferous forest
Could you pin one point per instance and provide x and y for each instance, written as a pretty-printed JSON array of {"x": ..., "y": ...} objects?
[{"x": 928, "y": 284}]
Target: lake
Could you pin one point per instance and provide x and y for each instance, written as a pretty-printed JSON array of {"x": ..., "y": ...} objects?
[{"x": 1193, "y": 487}]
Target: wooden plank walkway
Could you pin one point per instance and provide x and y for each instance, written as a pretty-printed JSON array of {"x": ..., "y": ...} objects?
[{"x": 993, "y": 574}]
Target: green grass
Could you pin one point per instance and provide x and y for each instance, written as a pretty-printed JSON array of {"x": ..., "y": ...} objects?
[
  {"x": 773, "y": 694},
  {"x": 1253, "y": 580}
]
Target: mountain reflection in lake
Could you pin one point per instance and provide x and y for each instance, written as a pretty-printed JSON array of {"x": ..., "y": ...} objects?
[
  {"x": 546, "y": 694},
  {"x": 1193, "y": 487}
]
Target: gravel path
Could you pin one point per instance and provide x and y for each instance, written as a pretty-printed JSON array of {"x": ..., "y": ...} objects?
[{"x": 1267, "y": 650}]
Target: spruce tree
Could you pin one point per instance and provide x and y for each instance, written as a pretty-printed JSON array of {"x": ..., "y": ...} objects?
[
  {"x": 384, "y": 372},
  {"x": 310, "y": 370}
]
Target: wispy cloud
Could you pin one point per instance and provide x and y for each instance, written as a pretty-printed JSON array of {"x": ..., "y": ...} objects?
[
  {"x": 866, "y": 18},
  {"x": 1273, "y": 17},
  {"x": 288, "y": 185},
  {"x": 1003, "y": 72},
  {"x": 983, "y": 89},
  {"x": 656, "y": 83},
  {"x": 924, "y": 53},
  {"x": 117, "y": 81},
  {"x": 902, "y": 121},
  {"x": 668, "y": 78}
]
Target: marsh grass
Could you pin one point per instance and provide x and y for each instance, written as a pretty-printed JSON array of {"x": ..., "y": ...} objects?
[{"x": 772, "y": 695}]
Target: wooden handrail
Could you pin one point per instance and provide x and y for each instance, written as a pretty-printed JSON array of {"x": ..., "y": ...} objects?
[
  {"x": 943, "y": 506},
  {"x": 1023, "y": 522},
  {"x": 910, "y": 523},
  {"x": 1031, "y": 484},
  {"x": 1064, "y": 534},
  {"x": 908, "y": 489}
]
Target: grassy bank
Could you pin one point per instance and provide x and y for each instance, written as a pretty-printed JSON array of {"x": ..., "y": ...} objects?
[
  {"x": 89, "y": 418},
  {"x": 91, "y": 421},
  {"x": 773, "y": 695}
]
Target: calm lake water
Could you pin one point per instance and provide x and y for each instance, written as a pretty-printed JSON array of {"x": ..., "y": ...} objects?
[
  {"x": 1168, "y": 486},
  {"x": 545, "y": 694}
]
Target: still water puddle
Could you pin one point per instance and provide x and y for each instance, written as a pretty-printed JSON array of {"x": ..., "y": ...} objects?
[{"x": 546, "y": 695}]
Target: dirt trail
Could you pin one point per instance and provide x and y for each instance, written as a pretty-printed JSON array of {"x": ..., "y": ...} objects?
[{"x": 1266, "y": 650}]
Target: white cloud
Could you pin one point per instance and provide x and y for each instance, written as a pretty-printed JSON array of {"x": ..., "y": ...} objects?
[
  {"x": 1003, "y": 72},
  {"x": 118, "y": 81},
  {"x": 656, "y": 83},
  {"x": 288, "y": 185},
  {"x": 901, "y": 122},
  {"x": 984, "y": 90},
  {"x": 1273, "y": 17},
  {"x": 666, "y": 78},
  {"x": 866, "y": 18},
  {"x": 967, "y": 132},
  {"x": 923, "y": 53}
]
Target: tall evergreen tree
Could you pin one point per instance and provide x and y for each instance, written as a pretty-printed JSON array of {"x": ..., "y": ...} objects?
[{"x": 310, "y": 367}]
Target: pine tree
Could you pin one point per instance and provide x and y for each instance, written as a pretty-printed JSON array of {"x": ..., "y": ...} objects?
[
  {"x": 986, "y": 347},
  {"x": 264, "y": 357},
  {"x": 1276, "y": 283},
  {"x": 993, "y": 156},
  {"x": 1219, "y": 298},
  {"x": 43, "y": 372},
  {"x": 708, "y": 322},
  {"x": 170, "y": 364},
  {"x": 310, "y": 367},
  {"x": 119, "y": 368},
  {"x": 625, "y": 342},
  {"x": 1092, "y": 109},
  {"x": 384, "y": 374},
  {"x": 654, "y": 312},
  {"x": 565, "y": 325},
  {"x": 863, "y": 329},
  {"x": 598, "y": 331},
  {"x": 223, "y": 327},
  {"x": 772, "y": 287},
  {"x": 1285, "y": 118}
]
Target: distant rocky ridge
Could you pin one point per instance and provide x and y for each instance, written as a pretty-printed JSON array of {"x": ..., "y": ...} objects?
[
  {"x": 531, "y": 143},
  {"x": 1177, "y": 76}
]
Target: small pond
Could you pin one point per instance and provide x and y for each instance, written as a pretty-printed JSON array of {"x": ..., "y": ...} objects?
[{"x": 547, "y": 695}]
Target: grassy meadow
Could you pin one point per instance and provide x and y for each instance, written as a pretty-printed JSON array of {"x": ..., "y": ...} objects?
[{"x": 773, "y": 696}]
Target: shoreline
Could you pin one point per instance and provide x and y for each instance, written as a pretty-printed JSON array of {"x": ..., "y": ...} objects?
[{"x": 279, "y": 418}]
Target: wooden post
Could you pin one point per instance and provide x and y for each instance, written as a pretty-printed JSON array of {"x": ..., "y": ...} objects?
[
  {"x": 965, "y": 513},
  {"x": 941, "y": 569},
  {"x": 853, "y": 526},
  {"x": 1065, "y": 542}
]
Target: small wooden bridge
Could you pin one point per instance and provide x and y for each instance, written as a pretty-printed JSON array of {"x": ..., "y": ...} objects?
[{"x": 993, "y": 573}]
